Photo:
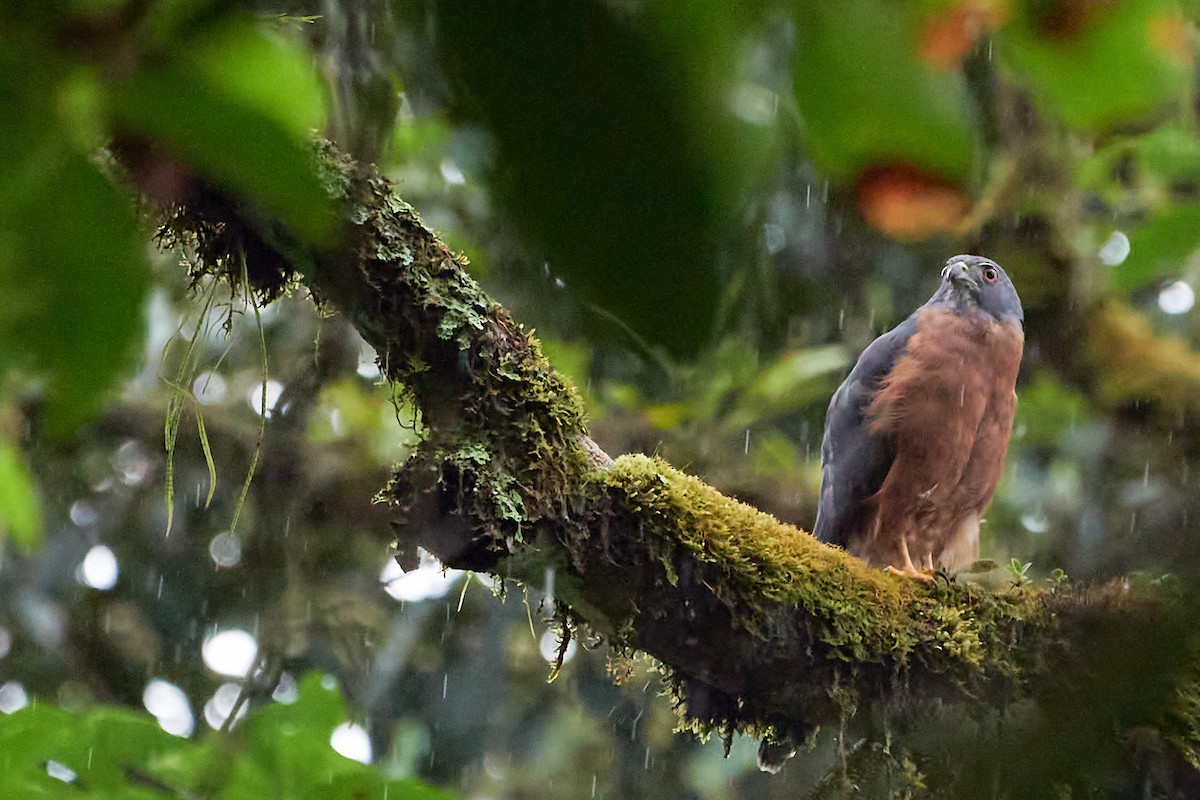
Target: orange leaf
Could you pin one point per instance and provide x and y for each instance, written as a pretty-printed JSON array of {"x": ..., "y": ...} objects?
[
  {"x": 907, "y": 203},
  {"x": 1171, "y": 35},
  {"x": 947, "y": 38}
]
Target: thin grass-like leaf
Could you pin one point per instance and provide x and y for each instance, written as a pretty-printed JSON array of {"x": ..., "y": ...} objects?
[
  {"x": 262, "y": 411},
  {"x": 183, "y": 378},
  {"x": 208, "y": 456}
]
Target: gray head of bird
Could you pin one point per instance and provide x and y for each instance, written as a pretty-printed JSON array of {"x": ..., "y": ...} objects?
[{"x": 974, "y": 284}]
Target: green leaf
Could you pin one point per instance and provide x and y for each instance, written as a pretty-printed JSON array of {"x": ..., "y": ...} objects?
[
  {"x": 867, "y": 98},
  {"x": 616, "y": 152},
  {"x": 409, "y": 789},
  {"x": 262, "y": 71},
  {"x": 72, "y": 263},
  {"x": 1097, "y": 64},
  {"x": 115, "y": 752},
  {"x": 20, "y": 513},
  {"x": 291, "y": 742},
  {"x": 104, "y": 748},
  {"x": 797, "y": 379},
  {"x": 115, "y": 743},
  {"x": 1171, "y": 151},
  {"x": 1159, "y": 248},
  {"x": 1047, "y": 410},
  {"x": 238, "y": 106},
  {"x": 75, "y": 275}
]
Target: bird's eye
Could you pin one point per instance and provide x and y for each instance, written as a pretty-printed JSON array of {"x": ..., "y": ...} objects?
[{"x": 990, "y": 274}]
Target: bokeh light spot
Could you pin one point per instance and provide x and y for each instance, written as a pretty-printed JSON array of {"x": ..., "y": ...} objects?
[
  {"x": 351, "y": 740},
  {"x": 230, "y": 652},
  {"x": 99, "y": 569}
]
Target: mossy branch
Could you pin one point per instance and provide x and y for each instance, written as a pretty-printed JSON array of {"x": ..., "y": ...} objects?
[
  {"x": 758, "y": 626},
  {"x": 1132, "y": 364}
]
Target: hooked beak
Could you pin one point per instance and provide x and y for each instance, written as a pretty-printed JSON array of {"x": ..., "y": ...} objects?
[{"x": 960, "y": 275}]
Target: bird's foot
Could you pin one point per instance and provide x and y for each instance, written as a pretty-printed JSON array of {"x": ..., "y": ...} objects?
[{"x": 910, "y": 572}]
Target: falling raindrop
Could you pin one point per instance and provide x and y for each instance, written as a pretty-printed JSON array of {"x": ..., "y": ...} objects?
[
  {"x": 1177, "y": 298},
  {"x": 351, "y": 740}
]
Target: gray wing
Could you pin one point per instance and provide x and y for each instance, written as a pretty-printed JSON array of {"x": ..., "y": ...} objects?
[{"x": 853, "y": 462}]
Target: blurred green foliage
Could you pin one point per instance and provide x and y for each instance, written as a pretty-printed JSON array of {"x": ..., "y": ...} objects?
[
  {"x": 1099, "y": 65},
  {"x": 238, "y": 106},
  {"x": 613, "y": 151},
  {"x": 20, "y": 513},
  {"x": 852, "y": 73},
  {"x": 280, "y": 751}
]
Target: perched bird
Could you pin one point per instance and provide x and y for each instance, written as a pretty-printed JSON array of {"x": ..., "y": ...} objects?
[{"x": 916, "y": 436}]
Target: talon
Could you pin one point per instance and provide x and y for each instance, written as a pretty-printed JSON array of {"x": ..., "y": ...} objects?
[{"x": 909, "y": 573}]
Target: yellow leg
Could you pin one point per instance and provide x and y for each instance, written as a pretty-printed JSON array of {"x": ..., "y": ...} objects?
[{"x": 907, "y": 568}]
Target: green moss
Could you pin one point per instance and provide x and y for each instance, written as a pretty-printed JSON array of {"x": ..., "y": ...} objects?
[
  {"x": 1133, "y": 364},
  {"x": 764, "y": 561},
  {"x": 855, "y": 621}
]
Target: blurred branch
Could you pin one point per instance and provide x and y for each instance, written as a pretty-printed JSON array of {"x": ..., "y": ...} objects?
[
  {"x": 1102, "y": 346},
  {"x": 759, "y": 627},
  {"x": 1133, "y": 365}
]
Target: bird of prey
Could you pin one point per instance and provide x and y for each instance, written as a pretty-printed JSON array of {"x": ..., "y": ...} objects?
[{"x": 916, "y": 436}]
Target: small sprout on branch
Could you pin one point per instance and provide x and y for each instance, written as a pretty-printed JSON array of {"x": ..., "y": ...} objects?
[{"x": 1019, "y": 571}]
